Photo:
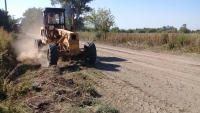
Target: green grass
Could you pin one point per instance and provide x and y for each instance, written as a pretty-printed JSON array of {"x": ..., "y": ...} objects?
[{"x": 22, "y": 90}]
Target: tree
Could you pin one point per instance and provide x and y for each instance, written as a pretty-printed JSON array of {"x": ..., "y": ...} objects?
[
  {"x": 151, "y": 30},
  {"x": 173, "y": 30},
  {"x": 75, "y": 7},
  {"x": 184, "y": 29},
  {"x": 9, "y": 27},
  {"x": 32, "y": 19},
  {"x": 197, "y": 31},
  {"x": 184, "y": 25},
  {"x": 101, "y": 19},
  {"x": 130, "y": 31},
  {"x": 141, "y": 30},
  {"x": 8, "y": 22},
  {"x": 115, "y": 29},
  {"x": 123, "y": 31}
]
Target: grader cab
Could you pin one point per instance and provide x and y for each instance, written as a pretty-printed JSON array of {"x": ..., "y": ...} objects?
[{"x": 59, "y": 41}]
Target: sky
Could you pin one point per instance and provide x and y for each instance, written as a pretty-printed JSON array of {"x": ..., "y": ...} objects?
[{"x": 131, "y": 14}]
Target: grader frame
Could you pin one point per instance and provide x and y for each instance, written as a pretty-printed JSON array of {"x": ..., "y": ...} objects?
[{"x": 59, "y": 41}]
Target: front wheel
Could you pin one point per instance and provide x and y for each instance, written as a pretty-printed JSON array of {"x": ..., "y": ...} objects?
[
  {"x": 52, "y": 54},
  {"x": 90, "y": 52}
]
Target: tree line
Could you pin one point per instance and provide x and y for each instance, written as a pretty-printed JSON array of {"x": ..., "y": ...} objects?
[
  {"x": 102, "y": 19},
  {"x": 85, "y": 18},
  {"x": 167, "y": 29},
  {"x": 8, "y": 22},
  {"x": 9, "y": 27}
]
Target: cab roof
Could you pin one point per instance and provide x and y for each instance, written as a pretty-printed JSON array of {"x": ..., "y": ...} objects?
[{"x": 49, "y": 9}]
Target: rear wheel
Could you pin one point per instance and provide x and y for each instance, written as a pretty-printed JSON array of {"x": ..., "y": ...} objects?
[
  {"x": 52, "y": 54},
  {"x": 90, "y": 52}
]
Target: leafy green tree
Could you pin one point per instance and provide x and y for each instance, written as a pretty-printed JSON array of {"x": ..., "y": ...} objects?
[
  {"x": 123, "y": 31},
  {"x": 32, "y": 20},
  {"x": 197, "y": 31},
  {"x": 8, "y": 22},
  {"x": 184, "y": 29},
  {"x": 164, "y": 28},
  {"x": 101, "y": 19},
  {"x": 75, "y": 7},
  {"x": 130, "y": 31},
  {"x": 141, "y": 30},
  {"x": 173, "y": 30},
  {"x": 89, "y": 29},
  {"x": 115, "y": 29},
  {"x": 151, "y": 30}
]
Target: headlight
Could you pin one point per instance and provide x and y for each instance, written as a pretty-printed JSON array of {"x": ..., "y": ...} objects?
[{"x": 51, "y": 27}]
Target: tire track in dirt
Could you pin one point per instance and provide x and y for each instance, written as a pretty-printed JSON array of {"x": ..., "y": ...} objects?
[{"x": 171, "y": 79}]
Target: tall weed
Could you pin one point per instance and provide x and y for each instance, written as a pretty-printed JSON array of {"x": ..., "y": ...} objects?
[
  {"x": 184, "y": 42},
  {"x": 181, "y": 40},
  {"x": 7, "y": 57}
]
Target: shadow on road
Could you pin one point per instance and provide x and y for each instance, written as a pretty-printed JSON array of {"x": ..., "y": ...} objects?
[
  {"x": 102, "y": 63},
  {"x": 111, "y": 59}
]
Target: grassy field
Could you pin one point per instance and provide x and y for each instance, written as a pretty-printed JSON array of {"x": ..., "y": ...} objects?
[{"x": 161, "y": 41}]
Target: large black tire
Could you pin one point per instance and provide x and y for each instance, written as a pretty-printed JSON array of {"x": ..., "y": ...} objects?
[
  {"x": 91, "y": 53},
  {"x": 52, "y": 54}
]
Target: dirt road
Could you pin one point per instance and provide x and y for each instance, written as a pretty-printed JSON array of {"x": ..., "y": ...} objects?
[{"x": 149, "y": 82}]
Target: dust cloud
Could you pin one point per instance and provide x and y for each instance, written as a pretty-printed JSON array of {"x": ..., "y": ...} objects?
[{"x": 24, "y": 48}]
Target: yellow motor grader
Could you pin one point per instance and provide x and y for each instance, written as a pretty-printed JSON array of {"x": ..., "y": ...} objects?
[{"x": 59, "y": 41}]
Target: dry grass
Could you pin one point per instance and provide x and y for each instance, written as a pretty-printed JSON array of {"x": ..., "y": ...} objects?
[
  {"x": 7, "y": 58},
  {"x": 7, "y": 62},
  {"x": 167, "y": 41}
]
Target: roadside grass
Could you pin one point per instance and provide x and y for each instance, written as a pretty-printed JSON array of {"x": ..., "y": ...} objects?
[
  {"x": 16, "y": 87},
  {"x": 7, "y": 63},
  {"x": 187, "y": 43},
  {"x": 7, "y": 57}
]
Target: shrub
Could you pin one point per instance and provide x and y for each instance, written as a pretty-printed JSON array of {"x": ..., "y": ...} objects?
[
  {"x": 3, "y": 94},
  {"x": 198, "y": 44},
  {"x": 22, "y": 90},
  {"x": 164, "y": 38},
  {"x": 7, "y": 57},
  {"x": 8, "y": 22},
  {"x": 100, "y": 34},
  {"x": 180, "y": 40},
  {"x": 8, "y": 27},
  {"x": 170, "y": 45}
]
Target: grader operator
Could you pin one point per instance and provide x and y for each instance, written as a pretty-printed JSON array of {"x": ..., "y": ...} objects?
[{"x": 58, "y": 41}]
